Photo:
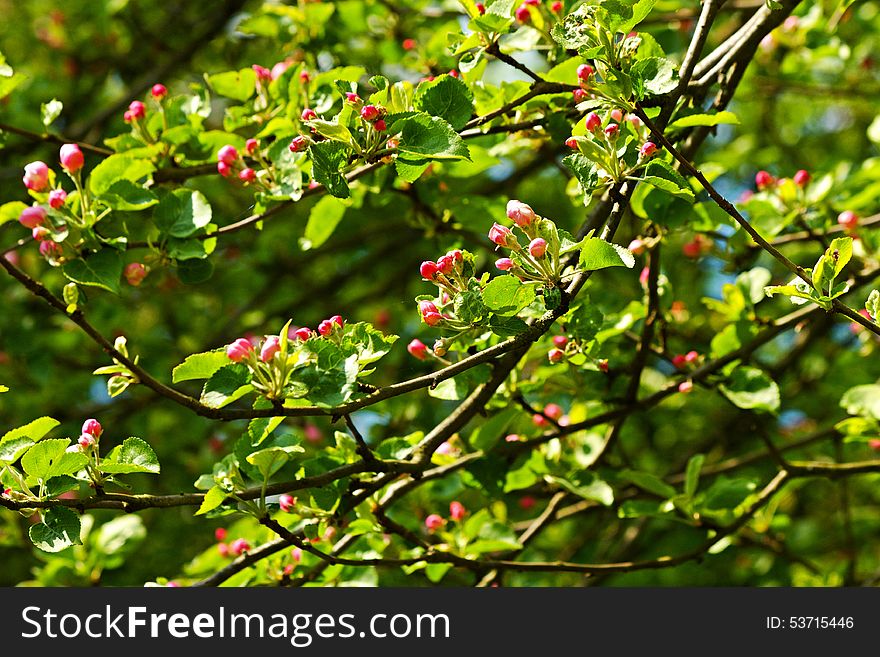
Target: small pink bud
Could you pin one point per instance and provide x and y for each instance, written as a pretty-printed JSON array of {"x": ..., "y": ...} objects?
[
  {"x": 848, "y": 219},
  {"x": 224, "y": 169},
  {"x": 93, "y": 428},
  {"x": 36, "y": 176},
  {"x": 239, "y": 350},
  {"x": 127, "y": 117},
  {"x": 553, "y": 411},
  {"x": 279, "y": 68},
  {"x": 135, "y": 273},
  {"x": 679, "y": 361},
  {"x": 263, "y": 73},
  {"x": 572, "y": 143},
  {"x": 593, "y": 122},
  {"x": 353, "y": 98},
  {"x": 648, "y": 149},
  {"x": 137, "y": 110},
  {"x": 481, "y": 8},
  {"x": 556, "y": 7},
  {"x": 32, "y": 217},
  {"x": 251, "y": 146},
  {"x": 380, "y": 125},
  {"x": 457, "y": 511},
  {"x": 308, "y": 114},
  {"x": 501, "y": 235},
  {"x": 409, "y": 44},
  {"x": 692, "y": 249},
  {"x": 691, "y": 357},
  {"x": 41, "y": 233},
  {"x": 325, "y": 328},
  {"x": 685, "y": 387},
  {"x": 247, "y": 175},
  {"x": 445, "y": 264},
  {"x": 429, "y": 270},
  {"x": 611, "y": 131},
  {"x": 239, "y": 546},
  {"x": 634, "y": 120},
  {"x": 392, "y": 144},
  {"x": 434, "y": 522},
  {"x": 512, "y": 438},
  {"x": 228, "y": 154},
  {"x": 584, "y": 72},
  {"x": 538, "y": 247},
  {"x": 304, "y": 77},
  {"x": 417, "y": 349},
  {"x": 369, "y": 113},
  {"x": 453, "y": 73},
  {"x": 644, "y": 275},
  {"x": 560, "y": 341},
  {"x": 313, "y": 433},
  {"x": 220, "y": 534},
  {"x": 71, "y": 158},
  {"x": 526, "y": 502},
  {"x": 48, "y": 249},
  {"x": 521, "y": 213},
  {"x": 539, "y": 420},
  {"x": 556, "y": 355},
  {"x": 85, "y": 441},
  {"x": 223, "y": 549},
  {"x": 603, "y": 365},
  {"x": 299, "y": 144},
  {"x": 522, "y": 14},
  {"x": 296, "y": 554},
  {"x": 287, "y": 503},
  {"x": 303, "y": 333},
  {"x": 504, "y": 264},
  {"x": 637, "y": 246},
  {"x": 873, "y": 444},
  {"x": 427, "y": 307},
  {"x": 446, "y": 449},
  {"x": 801, "y": 178},
  {"x": 432, "y": 319},
  {"x": 580, "y": 95},
  {"x": 763, "y": 180},
  {"x": 159, "y": 91},
  {"x": 616, "y": 115},
  {"x": 57, "y": 197},
  {"x": 271, "y": 346}
]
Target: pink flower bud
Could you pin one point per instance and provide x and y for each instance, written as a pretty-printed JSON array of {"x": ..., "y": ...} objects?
[
  {"x": 426, "y": 307},
  {"x": 247, "y": 175},
  {"x": 801, "y": 178},
  {"x": 239, "y": 350},
  {"x": 417, "y": 349},
  {"x": 501, "y": 235},
  {"x": 556, "y": 7},
  {"x": 634, "y": 120},
  {"x": 603, "y": 365},
  {"x": 685, "y": 387},
  {"x": 539, "y": 420},
  {"x": 691, "y": 357},
  {"x": 572, "y": 143},
  {"x": 228, "y": 154},
  {"x": 409, "y": 44},
  {"x": 616, "y": 115},
  {"x": 159, "y": 91},
  {"x": 848, "y": 219},
  {"x": 453, "y": 73},
  {"x": 271, "y": 346},
  {"x": 353, "y": 98},
  {"x": 369, "y": 113},
  {"x": 873, "y": 444},
  {"x": 637, "y": 246},
  {"x": 556, "y": 355},
  {"x": 36, "y": 176},
  {"x": 220, "y": 534},
  {"x": 593, "y": 122},
  {"x": 325, "y": 328},
  {"x": 304, "y": 77},
  {"x": 223, "y": 550},
  {"x": 521, "y": 213},
  {"x": 644, "y": 275},
  {"x": 457, "y": 511},
  {"x": 611, "y": 131},
  {"x": 538, "y": 247},
  {"x": 85, "y": 441},
  {"x": 522, "y": 14},
  {"x": 239, "y": 546},
  {"x": 49, "y": 249},
  {"x": 308, "y": 114},
  {"x": 299, "y": 144},
  {"x": 584, "y": 72},
  {"x": 533, "y": 3},
  {"x": 312, "y": 433},
  {"x": 481, "y": 8},
  {"x": 71, "y": 158},
  {"x": 251, "y": 146},
  {"x": 303, "y": 333},
  {"x": 456, "y": 255},
  {"x": 434, "y": 522},
  {"x": 279, "y": 68},
  {"x": 763, "y": 180},
  {"x": 135, "y": 273},
  {"x": 446, "y": 449},
  {"x": 679, "y": 361},
  {"x": 127, "y": 117},
  {"x": 560, "y": 341},
  {"x": 553, "y": 411},
  {"x": 263, "y": 73},
  {"x": 504, "y": 264},
  {"x": 137, "y": 109},
  {"x": 512, "y": 438},
  {"x": 57, "y": 198},
  {"x": 392, "y": 144},
  {"x": 526, "y": 502},
  {"x": 445, "y": 264},
  {"x": 692, "y": 249},
  {"x": 579, "y": 95},
  {"x": 32, "y": 217},
  {"x": 41, "y": 233},
  {"x": 380, "y": 125},
  {"x": 93, "y": 428},
  {"x": 287, "y": 502},
  {"x": 224, "y": 169},
  {"x": 648, "y": 149}
]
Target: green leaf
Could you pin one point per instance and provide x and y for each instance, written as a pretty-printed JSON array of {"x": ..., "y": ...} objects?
[
  {"x": 654, "y": 75},
  {"x": 862, "y": 400},
  {"x": 750, "y": 388},
  {"x": 102, "y": 269},
  {"x": 238, "y": 85},
  {"x": 50, "y": 111},
  {"x": 507, "y": 295},
  {"x": 134, "y": 455},
  {"x": 692, "y": 474},
  {"x": 213, "y": 498},
  {"x": 872, "y": 305},
  {"x": 446, "y": 97},
  {"x": 271, "y": 459},
  {"x": 34, "y": 429},
  {"x": 577, "y": 30},
  {"x": 661, "y": 169},
  {"x": 429, "y": 137},
  {"x": 182, "y": 212},
  {"x": 669, "y": 187},
  {"x": 59, "y": 530},
  {"x": 323, "y": 219},
  {"x": 840, "y": 252},
  {"x": 226, "y": 385},
  {"x": 624, "y": 15},
  {"x": 262, "y": 427},
  {"x": 332, "y": 130},
  {"x": 12, "y": 449},
  {"x": 328, "y": 160},
  {"x": 469, "y": 306},
  {"x": 115, "y": 168},
  {"x": 585, "y": 171},
  {"x": 589, "y": 488},
  {"x": 49, "y": 458},
  {"x": 193, "y": 272},
  {"x": 200, "y": 366},
  {"x": 128, "y": 196},
  {"x": 723, "y": 117},
  {"x": 10, "y": 211},
  {"x": 490, "y": 432},
  {"x": 726, "y": 493},
  {"x": 599, "y": 254},
  {"x": 119, "y": 538},
  {"x": 649, "y": 482}
]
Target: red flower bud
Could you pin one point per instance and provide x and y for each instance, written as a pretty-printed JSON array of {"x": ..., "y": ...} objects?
[
  {"x": 685, "y": 387},
  {"x": 579, "y": 95},
  {"x": 417, "y": 349},
  {"x": 763, "y": 180},
  {"x": 848, "y": 219},
  {"x": 251, "y": 146},
  {"x": 409, "y": 44},
  {"x": 135, "y": 273},
  {"x": 287, "y": 502},
  {"x": 637, "y": 246},
  {"x": 92, "y": 427},
  {"x": 36, "y": 176},
  {"x": 299, "y": 144},
  {"x": 49, "y": 249},
  {"x": 220, "y": 534},
  {"x": 380, "y": 125},
  {"x": 369, "y": 113},
  {"x": 308, "y": 114},
  {"x": 679, "y": 360},
  {"x": 801, "y": 178},
  {"x": 481, "y": 8},
  {"x": 553, "y": 411},
  {"x": 603, "y": 365},
  {"x": 556, "y": 7},
  {"x": 71, "y": 158},
  {"x": 239, "y": 350},
  {"x": 304, "y": 77},
  {"x": 647, "y": 149},
  {"x": 159, "y": 91},
  {"x": 41, "y": 233},
  {"x": 239, "y": 546},
  {"x": 353, "y": 98},
  {"x": 303, "y": 333},
  {"x": 434, "y": 522},
  {"x": 428, "y": 270},
  {"x": 271, "y": 346},
  {"x": 137, "y": 109},
  {"x": 224, "y": 169},
  {"x": 572, "y": 143},
  {"x": 616, "y": 115},
  {"x": 504, "y": 264},
  {"x": 228, "y": 154},
  {"x": 520, "y": 213},
  {"x": 263, "y": 73},
  {"x": 501, "y": 235},
  {"x": 32, "y": 217},
  {"x": 537, "y": 247},
  {"x": 556, "y": 355},
  {"x": 57, "y": 197},
  {"x": 457, "y": 511},
  {"x": 247, "y": 175},
  {"x": 522, "y": 14},
  {"x": 593, "y": 122},
  {"x": 611, "y": 131},
  {"x": 584, "y": 72},
  {"x": 560, "y": 341},
  {"x": 445, "y": 264}
]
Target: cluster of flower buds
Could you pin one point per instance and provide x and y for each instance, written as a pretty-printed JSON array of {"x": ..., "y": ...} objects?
[
  {"x": 523, "y": 13},
  {"x": 89, "y": 436},
  {"x": 135, "y": 273},
  {"x": 538, "y": 260},
  {"x": 681, "y": 361},
  {"x": 585, "y": 74},
  {"x": 375, "y": 116},
  {"x": 600, "y": 141},
  {"x": 435, "y": 521},
  {"x": 231, "y": 163},
  {"x": 448, "y": 274},
  {"x": 552, "y": 413},
  {"x": 765, "y": 181}
]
